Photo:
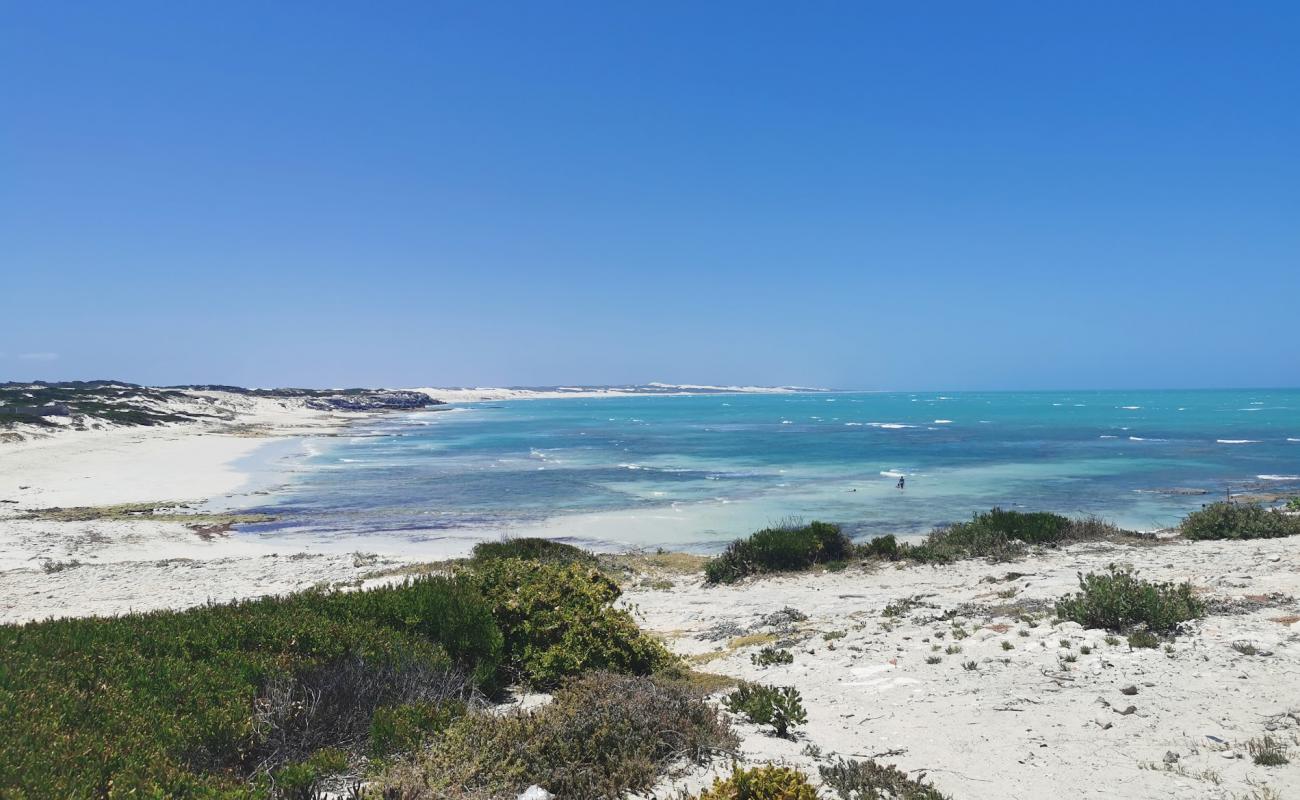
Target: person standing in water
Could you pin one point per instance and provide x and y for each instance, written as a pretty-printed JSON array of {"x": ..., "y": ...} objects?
[{"x": 901, "y": 481}]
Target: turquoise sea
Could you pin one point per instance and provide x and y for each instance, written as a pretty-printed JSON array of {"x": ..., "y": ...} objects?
[{"x": 692, "y": 472}]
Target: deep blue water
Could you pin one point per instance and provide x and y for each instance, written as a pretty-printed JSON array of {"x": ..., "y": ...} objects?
[{"x": 697, "y": 471}]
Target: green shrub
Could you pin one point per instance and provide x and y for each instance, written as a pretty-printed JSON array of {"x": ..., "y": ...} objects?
[
  {"x": 770, "y": 655},
  {"x": 602, "y": 735},
  {"x": 197, "y": 703},
  {"x": 782, "y": 707},
  {"x": 404, "y": 728},
  {"x": 867, "y": 780},
  {"x": 1143, "y": 640},
  {"x": 778, "y": 549},
  {"x": 1118, "y": 601},
  {"x": 995, "y": 534},
  {"x": 532, "y": 549},
  {"x": 1239, "y": 521},
  {"x": 882, "y": 547},
  {"x": 1293, "y": 504},
  {"x": 768, "y": 782},
  {"x": 1002, "y": 535},
  {"x": 559, "y": 620}
]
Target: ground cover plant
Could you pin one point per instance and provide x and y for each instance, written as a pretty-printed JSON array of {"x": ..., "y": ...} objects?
[
  {"x": 1239, "y": 521},
  {"x": 601, "y": 736},
  {"x": 770, "y": 656},
  {"x": 867, "y": 780},
  {"x": 1118, "y": 600},
  {"x": 766, "y": 782},
  {"x": 780, "y": 707},
  {"x": 219, "y": 701},
  {"x": 783, "y": 548}
]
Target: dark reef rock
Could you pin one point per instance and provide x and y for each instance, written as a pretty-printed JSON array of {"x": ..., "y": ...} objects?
[{"x": 373, "y": 401}]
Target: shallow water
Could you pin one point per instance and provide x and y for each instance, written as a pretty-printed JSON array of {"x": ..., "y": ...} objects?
[{"x": 694, "y": 472}]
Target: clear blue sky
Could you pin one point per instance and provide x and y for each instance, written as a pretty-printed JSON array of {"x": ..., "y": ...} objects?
[{"x": 866, "y": 195}]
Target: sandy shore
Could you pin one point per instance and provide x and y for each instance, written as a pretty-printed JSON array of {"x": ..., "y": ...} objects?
[
  {"x": 989, "y": 723},
  {"x": 109, "y": 566}
]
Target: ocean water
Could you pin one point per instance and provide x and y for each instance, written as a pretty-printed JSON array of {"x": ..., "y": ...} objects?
[{"x": 695, "y": 472}]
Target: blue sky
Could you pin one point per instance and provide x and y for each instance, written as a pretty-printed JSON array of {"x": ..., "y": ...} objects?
[{"x": 861, "y": 195}]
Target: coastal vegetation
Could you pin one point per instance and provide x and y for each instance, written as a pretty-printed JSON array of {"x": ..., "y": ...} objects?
[
  {"x": 532, "y": 549},
  {"x": 225, "y": 701},
  {"x": 780, "y": 549},
  {"x": 601, "y": 736},
  {"x": 1118, "y": 600},
  {"x": 558, "y": 620},
  {"x": 867, "y": 780},
  {"x": 997, "y": 535},
  {"x": 778, "y": 706},
  {"x": 264, "y": 698},
  {"x": 766, "y": 782},
  {"x": 1002, "y": 535},
  {"x": 1239, "y": 521}
]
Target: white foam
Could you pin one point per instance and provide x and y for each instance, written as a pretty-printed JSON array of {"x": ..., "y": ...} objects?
[
  {"x": 854, "y": 424},
  {"x": 1130, "y": 408},
  {"x": 786, "y": 422},
  {"x": 1278, "y": 477},
  {"x": 893, "y": 473},
  {"x": 890, "y": 425},
  {"x": 1292, "y": 439},
  {"x": 1237, "y": 441},
  {"x": 1105, "y": 436},
  {"x": 1143, "y": 439},
  {"x": 943, "y": 422}
]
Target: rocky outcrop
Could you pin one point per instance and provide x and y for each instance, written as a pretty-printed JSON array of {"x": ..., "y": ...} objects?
[{"x": 373, "y": 401}]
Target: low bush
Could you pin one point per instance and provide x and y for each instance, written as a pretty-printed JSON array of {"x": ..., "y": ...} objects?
[
  {"x": 780, "y": 707},
  {"x": 1118, "y": 601},
  {"x": 768, "y": 782},
  {"x": 867, "y": 780},
  {"x": 218, "y": 701},
  {"x": 533, "y": 549},
  {"x": 1002, "y": 535},
  {"x": 770, "y": 656},
  {"x": 1239, "y": 521},
  {"x": 559, "y": 620},
  {"x": 779, "y": 549},
  {"x": 601, "y": 736},
  {"x": 882, "y": 547}
]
